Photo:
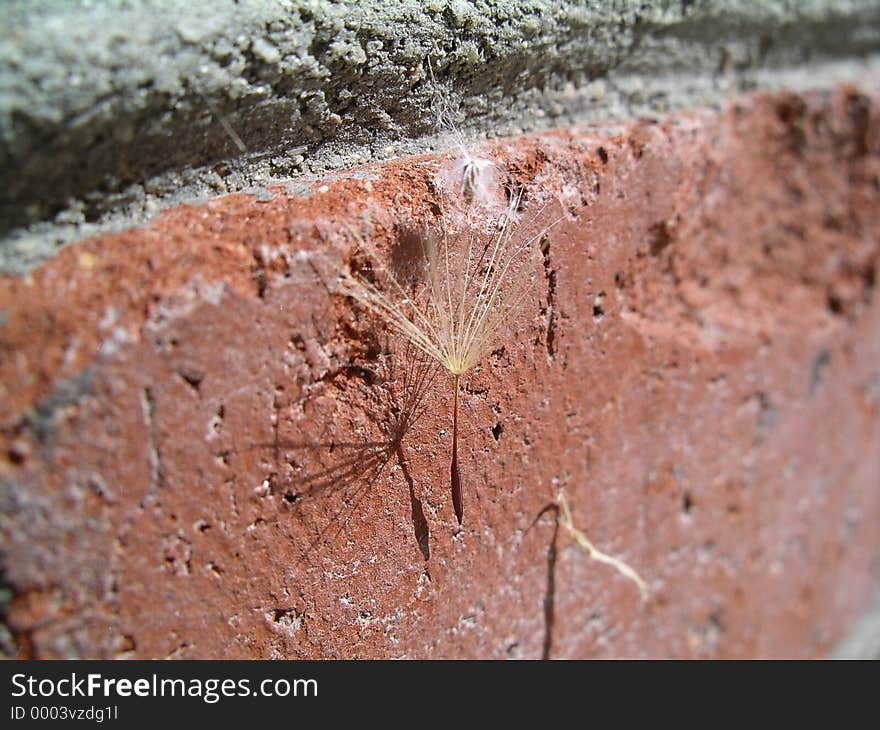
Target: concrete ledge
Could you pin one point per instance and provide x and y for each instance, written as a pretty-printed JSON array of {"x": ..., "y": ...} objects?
[{"x": 109, "y": 111}]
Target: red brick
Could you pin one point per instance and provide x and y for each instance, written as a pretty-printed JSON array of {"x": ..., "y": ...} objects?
[{"x": 195, "y": 450}]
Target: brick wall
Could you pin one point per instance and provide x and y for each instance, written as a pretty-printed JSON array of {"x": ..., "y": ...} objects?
[{"x": 208, "y": 450}]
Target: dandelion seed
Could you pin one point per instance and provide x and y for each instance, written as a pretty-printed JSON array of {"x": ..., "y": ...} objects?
[
  {"x": 475, "y": 278},
  {"x": 475, "y": 178}
]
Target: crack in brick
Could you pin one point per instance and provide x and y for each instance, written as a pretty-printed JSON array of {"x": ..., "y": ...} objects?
[
  {"x": 157, "y": 471},
  {"x": 550, "y": 593},
  {"x": 550, "y": 311}
]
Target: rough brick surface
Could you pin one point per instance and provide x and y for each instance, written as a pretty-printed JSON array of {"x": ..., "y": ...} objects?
[{"x": 198, "y": 440}]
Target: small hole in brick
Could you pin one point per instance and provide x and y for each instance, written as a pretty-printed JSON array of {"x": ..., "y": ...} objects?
[
  {"x": 497, "y": 430},
  {"x": 835, "y": 303},
  {"x": 285, "y": 615},
  {"x": 687, "y": 503},
  {"x": 290, "y": 497},
  {"x": 659, "y": 237},
  {"x": 598, "y": 309},
  {"x": 603, "y": 155},
  {"x": 298, "y": 342},
  {"x": 19, "y": 452},
  {"x": 193, "y": 378}
]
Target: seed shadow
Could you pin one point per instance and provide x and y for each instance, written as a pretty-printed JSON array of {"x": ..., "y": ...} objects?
[
  {"x": 355, "y": 466},
  {"x": 420, "y": 522},
  {"x": 550, "y": 592}
]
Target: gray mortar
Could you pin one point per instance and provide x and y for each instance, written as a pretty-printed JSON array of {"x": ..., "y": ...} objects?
[
  {"x": 112, "y": 110},
  {"x": 863, "y": 641}
]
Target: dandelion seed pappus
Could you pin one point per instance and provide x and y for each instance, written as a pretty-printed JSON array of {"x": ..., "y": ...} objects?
[{"x": 478, "y": 269}]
